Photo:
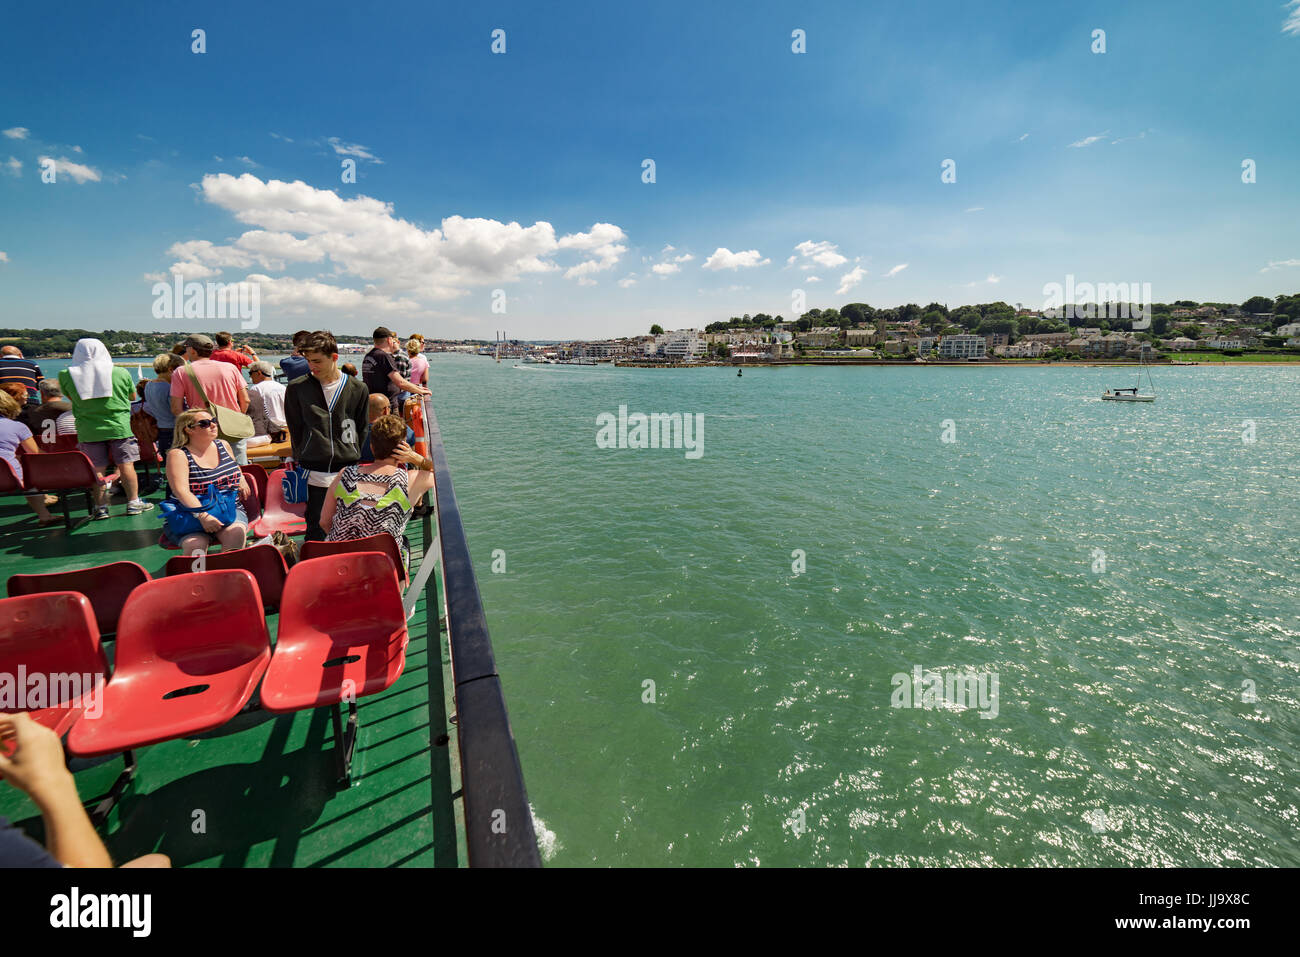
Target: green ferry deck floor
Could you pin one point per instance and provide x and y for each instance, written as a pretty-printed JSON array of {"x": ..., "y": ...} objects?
[{"x": 260, "y": 792}]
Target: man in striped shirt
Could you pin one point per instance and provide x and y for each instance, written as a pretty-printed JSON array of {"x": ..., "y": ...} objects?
[{"x": 14, "y": 368}]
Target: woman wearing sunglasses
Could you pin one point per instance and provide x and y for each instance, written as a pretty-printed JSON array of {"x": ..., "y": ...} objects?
[{"x": 196, "y": 461}]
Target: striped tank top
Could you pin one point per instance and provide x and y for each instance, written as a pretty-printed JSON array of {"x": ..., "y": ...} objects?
[{"x": 225, "y": 475}]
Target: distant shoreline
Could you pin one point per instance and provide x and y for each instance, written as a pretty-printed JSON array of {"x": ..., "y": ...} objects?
[{"x": 1028, "y": 363}]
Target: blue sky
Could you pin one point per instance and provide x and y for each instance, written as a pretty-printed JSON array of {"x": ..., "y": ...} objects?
[{"x": 522, "y": 171}]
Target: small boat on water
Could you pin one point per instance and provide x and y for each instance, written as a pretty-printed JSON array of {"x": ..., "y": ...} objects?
[
  {"x": 1133, "y": 395},
  {"x": 1126, "y": 395}
]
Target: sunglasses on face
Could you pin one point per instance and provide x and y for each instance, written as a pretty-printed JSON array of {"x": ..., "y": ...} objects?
[{"x": 204, "y": 424}]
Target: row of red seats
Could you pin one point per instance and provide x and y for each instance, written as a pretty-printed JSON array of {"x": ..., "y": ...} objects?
[
  {"x": 108, "y": 586},
  {"x": 192, "y": 648}
]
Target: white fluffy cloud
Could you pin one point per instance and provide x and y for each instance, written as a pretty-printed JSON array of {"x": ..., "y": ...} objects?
[
  {"x": 4, "y": 256},
  {"x": 13, "y": 166},
  {"x": 850, "y": 279},
  {"x": 665, "y": 269},
  {"x": 65, "y": 167},
  {"x": 724, "y": 258},
  {"x": 823, "y": 254},
  {"x": 300, "y": 295},
  {"x": 604, "y": 242},
  {"x": 1292, "y": 23},
  {"x": 16, "y": 132},
  {"x": 361, "y": 239},
  {"x": 896, "y": 270},
  {"x": 627, "y": 282}
]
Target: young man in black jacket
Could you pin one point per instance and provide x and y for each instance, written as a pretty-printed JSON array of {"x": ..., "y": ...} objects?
[{"x": 326, "y": 414}]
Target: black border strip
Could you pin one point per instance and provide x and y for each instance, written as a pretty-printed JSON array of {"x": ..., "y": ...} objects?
[{"x": 498, "y": 821}]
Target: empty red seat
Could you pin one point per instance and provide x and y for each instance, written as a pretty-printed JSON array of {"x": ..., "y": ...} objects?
[
  {"x": 279, "y": 515},
  {"x": 257, "y": 480},
  {"x": 107, "y": 587},
  {"x": 190, "y": 651},
  {"x": 60, "y": 472},
  {"x": 342, "y": 635},
  {"x": 52, "y": 634},
  {"x": 383, "y": 542},
  {"x": 264, "y": 561}
]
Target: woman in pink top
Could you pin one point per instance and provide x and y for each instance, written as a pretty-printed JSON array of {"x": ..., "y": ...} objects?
[{"x": 419, "y": 364}]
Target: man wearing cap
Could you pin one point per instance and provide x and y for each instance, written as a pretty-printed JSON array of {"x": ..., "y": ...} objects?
[
  {"x": 381, "y": 371},
  {"x": 221, "y": 382}
]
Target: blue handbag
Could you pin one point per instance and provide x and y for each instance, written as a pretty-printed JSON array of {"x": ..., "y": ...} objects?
[
  {"x": 182, "y": 520},
  {"x": 294, "y": 485}
]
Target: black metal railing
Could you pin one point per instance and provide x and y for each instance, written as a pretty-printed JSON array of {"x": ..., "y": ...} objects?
[{"x": 498, "y": 821}]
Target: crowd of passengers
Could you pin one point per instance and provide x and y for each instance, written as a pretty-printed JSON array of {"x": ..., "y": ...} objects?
[{"x": 345, "y": 430}]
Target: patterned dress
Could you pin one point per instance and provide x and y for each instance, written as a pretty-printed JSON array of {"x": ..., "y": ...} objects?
[{"x": 370, "y": 504}]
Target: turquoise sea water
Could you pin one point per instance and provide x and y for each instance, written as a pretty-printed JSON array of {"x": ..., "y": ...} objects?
[{"x": 1127, "y": 571}]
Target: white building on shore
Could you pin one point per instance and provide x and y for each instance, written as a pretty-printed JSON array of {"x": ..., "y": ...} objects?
[{"x": 961, "y": 347}]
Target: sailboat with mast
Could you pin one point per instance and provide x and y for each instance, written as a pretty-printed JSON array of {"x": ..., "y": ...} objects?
[{"x": 1134, "y": 394}]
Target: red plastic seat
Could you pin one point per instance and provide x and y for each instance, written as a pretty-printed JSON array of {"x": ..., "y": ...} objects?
[
  {"x": 55, "y": 471},
  {"x": 107, "y": 587},
  {"x": 61, "y": 443},
  {"x": 264, "y": 562},
  {"x": 257, "y": 480},
  {"x": 342, "y": 635},
  {"x": 190, "y": 651},
  {"x": 279, "y": 515},
  {"x": 9, "y": 484},
  {"x": 383, "y": 542},
  {"x": 53, "y": 634},
  {"x": 60, "y": 472}
]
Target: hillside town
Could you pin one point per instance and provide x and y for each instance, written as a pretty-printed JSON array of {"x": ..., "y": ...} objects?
[{"x": 993, "y": 332}]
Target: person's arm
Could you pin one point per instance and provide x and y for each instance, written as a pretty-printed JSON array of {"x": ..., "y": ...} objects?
[
  {"x": 408, "y": 456},
  {"x": 177, "y": 394},
  {"x": 178, "y": 477},
  {"x": 37, "y": 768},
  {"x": 29, "y": 446},
  {"x": 243, "y": 479},
  {"x": 421, "y": 482},
  {"x": 292, "y": 420},
  {"x": 243, "y": 395},
  {"x": 406, "y": 384},
  {"x": 331, "y": 503}
]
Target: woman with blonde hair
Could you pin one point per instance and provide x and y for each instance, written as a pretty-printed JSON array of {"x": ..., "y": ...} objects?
[
  {"x": 419, "y": 364},
  {"x": 197, "y": 462},
  {"x": 15, "y": 435},
  {"x": 157, "y": 398}
]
